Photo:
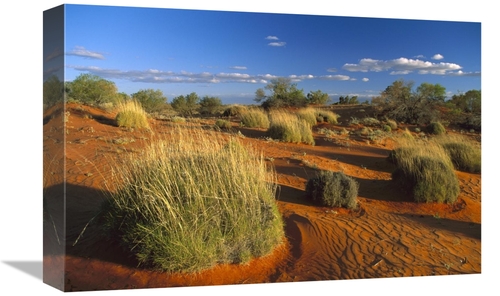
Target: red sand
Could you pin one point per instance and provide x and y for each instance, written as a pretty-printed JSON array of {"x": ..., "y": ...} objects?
[{"x": 388, "y": 236}]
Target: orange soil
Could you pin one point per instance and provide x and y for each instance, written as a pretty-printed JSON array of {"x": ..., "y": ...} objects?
[{"x": 388, "y": 236}]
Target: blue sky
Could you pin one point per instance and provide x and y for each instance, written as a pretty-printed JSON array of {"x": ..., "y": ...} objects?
[{"x": 232, "y": 54}]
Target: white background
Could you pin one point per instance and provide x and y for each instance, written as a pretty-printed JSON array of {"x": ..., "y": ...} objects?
[{"x": 21, "y": 144}]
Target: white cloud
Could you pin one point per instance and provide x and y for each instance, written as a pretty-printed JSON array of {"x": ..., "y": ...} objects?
[
  {"x": 238, "y": 67},
  {"x": 402, "y": 66},
  {"x": 331, "y": 70},
  {"x": 420, "y": 56},
  {"x": 277, "y": 44},
  {"x": 80, "y": 51},
  {"x": 272, "y": 38},
  {"x": 365, "y": 79},
  {"x": 334, "y": 77},
  {"x": 437, "y": 57},
  {"x": 461, "y": 73}
]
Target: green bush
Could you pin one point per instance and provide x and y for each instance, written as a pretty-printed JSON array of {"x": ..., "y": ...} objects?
[
  {"x": 234, "y": 110},
  {"x": 464, "y": 157},
  {"x": 170, "y": 216},
  {"x": 333, "y": 189},
  {"x": 435, "y": 128},
  {"x": 255, "y": 118},
  {"x": 427, "y": 179},
  {"x": 387, "y": 128},
  {"x": 392, "y": 124}
]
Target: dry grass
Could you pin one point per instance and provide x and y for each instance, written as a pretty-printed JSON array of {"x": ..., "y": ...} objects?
[
  {"x": 287, "y": 127},
  {"x": 255, "y": 117},
  {"x": 193, "y": 201},
  {"x": 130, "y": 114}
]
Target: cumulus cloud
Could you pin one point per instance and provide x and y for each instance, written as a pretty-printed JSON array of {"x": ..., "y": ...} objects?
[
  {"x": 159, "y": 76},
  {"x": 272, "y": 38},
  {"x": 277, "y": 44},
  {"x": 365, "y": 79},
  {"x": 238, "y": 67},
  {"x": 437, "y": 57},
  {"x": 402, "y": 66},
  {"x": 80, "y": 51}
]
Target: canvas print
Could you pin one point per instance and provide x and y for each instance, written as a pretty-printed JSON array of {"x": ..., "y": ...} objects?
[{"x": 199, "y": 148}]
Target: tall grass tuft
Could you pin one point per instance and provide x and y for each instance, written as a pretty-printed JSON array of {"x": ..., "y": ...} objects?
[
  {"x": 425, "y": 170},
  {"x": 463, "y": 152},
  {"x": 288, "y": 127},
  {"x": 130, "y": 114},
  {"x": 333, "y": 189},
  {"x": 326, "y": 116},
  {"x": 308, "y": 114},
  {"x": 192, "y": 202},
  {"x": 255, "y": 117}
]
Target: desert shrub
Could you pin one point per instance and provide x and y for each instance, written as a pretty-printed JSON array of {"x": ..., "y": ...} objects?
[
  {"x": 210, "y": 105},
  {"x": 221, "y": 123},
  {"x": 150, "y": 99},
  {"x": 288, "y": 127},
  {"x": 326, "y": 116},
  {"x": 387, "y": 128},
  {"x": 464, "y": 154},
  {"x": 255, "y": 117},
  {"x": 370, "y": 121},
  {"x": 424, "y": 170},
  {"x": 178, "y": 119},
  {"x": 130, "y": 114},
  {"x": 333, "y": 189},
  {"x": 166, "y": 212},
  {"x": 309, "y": 115},
  {"x": 393, "y": 124},
  {"x": 428, "y": 179},
  {"x": 435, "y": 128}
]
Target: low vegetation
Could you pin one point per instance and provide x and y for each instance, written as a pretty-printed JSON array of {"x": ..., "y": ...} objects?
[
  {"x": 333, "y": 189},
  {"x": 287, "y": 127},
  {"x": 171, "y": 217},
  {"x": 130, "y": 114},
  {"x": 424, "y": 170},
  {"x": 463, "y": 152},
  {"x": 255, "y": 117}
]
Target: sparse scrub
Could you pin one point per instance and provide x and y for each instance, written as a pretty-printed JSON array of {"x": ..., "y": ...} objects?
[
  {"x": 424, "y": 170},
  {"x": 164, "y": 210},
  {"x": 130, "y": 114},
  {"x": 288, "y": 127},
  {"x": 387, "y": 128},
  {"x": 333, "y": 189},
  {"x": 370, "y": 121},
  {"x": 178, "y": 119},
  {"x": 392, "y": 123},
  {"x": 255, "y": 117}
]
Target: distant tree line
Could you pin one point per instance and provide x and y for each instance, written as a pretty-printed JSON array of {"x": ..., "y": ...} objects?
[{"x": 399, "y": 101}]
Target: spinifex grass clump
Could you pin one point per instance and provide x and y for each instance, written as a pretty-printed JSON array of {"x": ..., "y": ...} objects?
[
  {"x": 130, "y": 114},
  {"x": 326, "y": 116},
  {"x": 287, "y": 127},
  {"x": 464, "y": 153},
  {"x": 308, "y": 114},
  {"x": 223, "y": 124},
  {"x": 333, "y": 189},
  {"x": 194, "y": 201},
  {"x": 424, "y": 170},
  {"x": 435, "y": 128},
  {"x": 255, "y": 117}
]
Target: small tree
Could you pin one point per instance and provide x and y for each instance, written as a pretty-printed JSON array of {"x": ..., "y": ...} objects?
[
  {"x": 53, "y": 90},
  {"x": 151, "y": 100},
  {"x": 186, "y": 105},
  {"x": 317, "y": 97},
  {"x": 284, "y": 93},
  {"x": 92, "y": 89},
  {"x": 210, "y": 105}
]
